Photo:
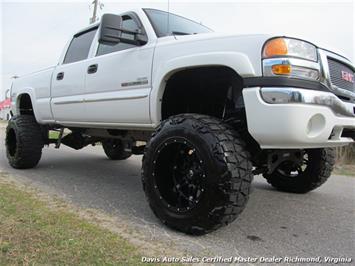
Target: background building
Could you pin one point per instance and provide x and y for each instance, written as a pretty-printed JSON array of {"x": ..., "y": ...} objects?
[{"x": 5, "y": 109}]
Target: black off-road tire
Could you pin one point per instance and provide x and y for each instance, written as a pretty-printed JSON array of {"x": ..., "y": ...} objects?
[
  {"x": 227, "y": 180},
  {"x": 115, "y": 149},
  {"x": 24, "y": 142},
  {"x": 320, "y": 166}
]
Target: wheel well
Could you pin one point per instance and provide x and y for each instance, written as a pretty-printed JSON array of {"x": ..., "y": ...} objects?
[
  {"x": 25, "y": 105},
  {"x": 213, "y": 91}
]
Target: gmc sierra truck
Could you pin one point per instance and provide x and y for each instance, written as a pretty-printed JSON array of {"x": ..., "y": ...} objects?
[{"x": 208, "y": 111}]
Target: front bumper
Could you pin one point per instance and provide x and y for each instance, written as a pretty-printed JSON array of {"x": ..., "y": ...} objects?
[{"x": 294, "y": 118}]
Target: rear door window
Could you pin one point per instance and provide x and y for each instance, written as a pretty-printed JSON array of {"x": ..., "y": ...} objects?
[{"x": 80, "y": 46}]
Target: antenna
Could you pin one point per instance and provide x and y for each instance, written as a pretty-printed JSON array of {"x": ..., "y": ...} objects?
[
  {"x": 96, "y": 4},
  {"x": 93, "y": 18}
]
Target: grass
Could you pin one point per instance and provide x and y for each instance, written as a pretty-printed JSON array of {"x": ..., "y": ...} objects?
[
  {"x": 31, "y": 233},
  {"x": 344, "y": 169},
  {"x": 53, "y": 134}
]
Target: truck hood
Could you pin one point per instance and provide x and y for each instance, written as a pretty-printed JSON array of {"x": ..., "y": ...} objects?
[
  {"x": 215, "y": 35},
  {"x": 262, "y": 37},
  {"x": 171, "y": 48}
]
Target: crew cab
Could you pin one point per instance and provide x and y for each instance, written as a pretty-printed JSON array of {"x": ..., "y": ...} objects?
[{"x": 208, "y": 111}]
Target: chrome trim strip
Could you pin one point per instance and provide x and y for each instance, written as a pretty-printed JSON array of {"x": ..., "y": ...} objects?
[
  {"x": 286, "y": 95},
  {"x": 325, "y": 77},
  {"x": 115, "y": 99},
  {"x": 133, "y": 97},
  {"x": 134, "y": 83},
  {"x": 69, "y": 102},
  {"x": 268, "y": 63}
]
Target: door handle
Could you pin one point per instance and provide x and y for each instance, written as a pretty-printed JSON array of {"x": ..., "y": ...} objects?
[
  {"x": 92, "y": 69},
  {"x": 60, "y": 75}
]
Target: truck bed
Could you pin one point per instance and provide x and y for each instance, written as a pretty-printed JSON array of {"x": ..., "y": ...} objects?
[{"x": 39, "y": 85}]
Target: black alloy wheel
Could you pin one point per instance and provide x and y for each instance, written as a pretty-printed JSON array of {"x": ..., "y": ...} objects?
[
  {"x": 312, "y": 170},
  {"x": 179, "y": 174},
  {"x": 116, "y": 149}
]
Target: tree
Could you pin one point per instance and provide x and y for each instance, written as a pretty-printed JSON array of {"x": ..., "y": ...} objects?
[{"x": 346, "y": 154}]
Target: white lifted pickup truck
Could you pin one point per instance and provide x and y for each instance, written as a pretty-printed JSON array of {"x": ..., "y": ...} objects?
[{"x": 208, "y": 111}]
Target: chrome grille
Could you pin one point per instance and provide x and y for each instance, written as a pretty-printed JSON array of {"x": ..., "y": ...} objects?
[{"x": 335, "y": 70}]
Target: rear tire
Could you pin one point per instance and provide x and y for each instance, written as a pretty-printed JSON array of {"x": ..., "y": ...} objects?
[
  {"x": 320, "y": 163},
  {"x": 24, "y": 142},
  {"x": 196, "y": 173},
  {"x": 115, "y": 149}
]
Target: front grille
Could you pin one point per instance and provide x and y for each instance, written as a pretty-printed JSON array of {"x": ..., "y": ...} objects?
[{"x": 336, "y": 70}]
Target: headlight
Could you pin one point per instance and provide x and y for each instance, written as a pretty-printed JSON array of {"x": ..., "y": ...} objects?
[
  {"x": 289, "y": 47},
  {"x": 291, "y": 58}
]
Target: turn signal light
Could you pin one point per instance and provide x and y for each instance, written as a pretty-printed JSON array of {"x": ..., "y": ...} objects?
[
  {"x": 281, "y": 69},
  {"x": 275, "y": 47}
]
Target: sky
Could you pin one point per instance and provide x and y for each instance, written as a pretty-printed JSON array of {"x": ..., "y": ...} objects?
[{"x": 33, "y": 33}]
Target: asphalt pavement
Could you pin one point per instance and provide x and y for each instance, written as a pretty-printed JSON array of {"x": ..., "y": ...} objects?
[{"x": 320, "y": 223}]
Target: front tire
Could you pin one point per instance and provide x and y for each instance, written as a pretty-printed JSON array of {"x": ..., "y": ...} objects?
[
  {"x": 24, "y": 142},
  {"x": 196, "y": 173},
  {"x": 301, "y": 178}
]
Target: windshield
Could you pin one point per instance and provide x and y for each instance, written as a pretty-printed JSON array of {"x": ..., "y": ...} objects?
[{"x": 177, "y": 25}]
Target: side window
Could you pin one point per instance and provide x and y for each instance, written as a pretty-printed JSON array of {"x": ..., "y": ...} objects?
[
  {"x": 79, "y": 47},
  {"x": 128, "y": 23}
]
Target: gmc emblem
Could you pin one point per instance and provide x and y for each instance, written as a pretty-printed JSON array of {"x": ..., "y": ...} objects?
[{"x": 347, "y": 76}]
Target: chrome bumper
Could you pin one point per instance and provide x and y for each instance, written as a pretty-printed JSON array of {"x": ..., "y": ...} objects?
[{"x": 284, "y": 95}]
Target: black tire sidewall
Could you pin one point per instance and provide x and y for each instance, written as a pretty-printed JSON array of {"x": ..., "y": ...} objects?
[
  {"x": 29, "y": 142},
  {"x": 197, "y": 220},
  {"x": 12, "y": 126}
]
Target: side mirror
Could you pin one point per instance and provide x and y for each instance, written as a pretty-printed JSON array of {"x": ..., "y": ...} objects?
[{"x": 110, "y": 31}]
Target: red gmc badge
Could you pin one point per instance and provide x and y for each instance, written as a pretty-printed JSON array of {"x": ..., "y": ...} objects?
[{"x": 347, "y": 76}]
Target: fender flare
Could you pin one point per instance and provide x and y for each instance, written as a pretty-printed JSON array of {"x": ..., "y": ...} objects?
[
  {"x": 238, "y": 62},
  {"x": 30, "y": 92}
]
